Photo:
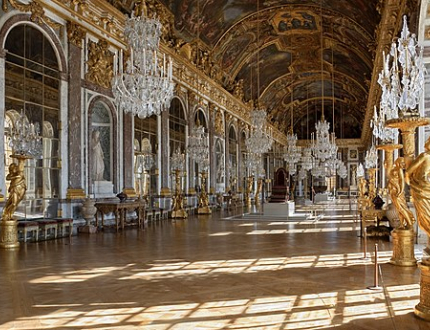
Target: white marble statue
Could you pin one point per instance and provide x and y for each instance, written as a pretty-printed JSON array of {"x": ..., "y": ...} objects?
[{"x": 98, "y": 164}]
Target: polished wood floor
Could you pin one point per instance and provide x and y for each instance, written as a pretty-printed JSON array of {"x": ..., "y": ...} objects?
[{"x": 212, "y": 272}]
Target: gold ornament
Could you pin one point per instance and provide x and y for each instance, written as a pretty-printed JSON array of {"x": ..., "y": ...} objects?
[
  {"x": 396, "y": 185},
  {"x": 100, "y": 64},
  {"x": 418, "y": 177}
]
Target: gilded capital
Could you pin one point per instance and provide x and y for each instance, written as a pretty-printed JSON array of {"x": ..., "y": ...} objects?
[{"x": 75, "y": 34}]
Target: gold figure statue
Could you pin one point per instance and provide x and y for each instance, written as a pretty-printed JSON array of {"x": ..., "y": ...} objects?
[
  {"x": 418, "y": 177},
  {"x": 362, "y": 187},
  {"x": 396, "y": 184},
  {"x": 140, "y": 9},
  {"x": 16, "y": 189}
]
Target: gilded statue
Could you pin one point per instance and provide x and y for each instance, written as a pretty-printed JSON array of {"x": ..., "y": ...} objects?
[
  {"x": 396, "y": 185},
  {"x": 16, "y": 189},
  {"x": 140, "y": 9},
  {"x": 219, "y": 123},
  {"x": 418, "y": 177},
  {"x": 362, "y": 187}
]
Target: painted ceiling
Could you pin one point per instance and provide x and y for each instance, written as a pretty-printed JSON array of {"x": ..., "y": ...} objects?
[{"x": 299, "y": 58}]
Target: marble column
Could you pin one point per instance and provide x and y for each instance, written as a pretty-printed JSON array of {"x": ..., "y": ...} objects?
[
  {"x": 227, "y": 154},
  {"x": 2, "y": 116},
  {"x": 75, "y": 128},
  {"x": 128, "y": 152},
  {"x": 165, "y": 150},
  {"x": 212, "y": 154}
]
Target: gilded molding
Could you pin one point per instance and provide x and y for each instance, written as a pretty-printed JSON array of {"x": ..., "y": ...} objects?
[
  {"x": 99, "y": 64},
  {"x": 37, "y": 12},
  {"x": 75, "y": 34}
]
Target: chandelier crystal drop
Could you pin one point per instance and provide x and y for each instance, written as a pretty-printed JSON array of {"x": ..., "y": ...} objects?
[
  {"x": 24, "y": 137},
  {"x": 385, "y": 134},
  {"x": 402, "y": 77},
  {"x": 371, "y": 158},
  {"x": 145, "y": 87}
]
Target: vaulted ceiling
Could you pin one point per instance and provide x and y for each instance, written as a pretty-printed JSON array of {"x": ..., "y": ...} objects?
[{"x": 299, "y": 58}]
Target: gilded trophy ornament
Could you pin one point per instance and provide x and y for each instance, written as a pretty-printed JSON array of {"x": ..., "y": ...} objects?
[
  {"x": 100, "y": 64},
  {"x": 396, "y": 185}
]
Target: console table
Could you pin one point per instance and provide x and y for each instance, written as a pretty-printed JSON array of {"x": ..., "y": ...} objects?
[{"x": 119, "y": 209}]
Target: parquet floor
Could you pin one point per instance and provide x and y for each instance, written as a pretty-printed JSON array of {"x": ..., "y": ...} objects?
[{"x": 207, "y": 272}]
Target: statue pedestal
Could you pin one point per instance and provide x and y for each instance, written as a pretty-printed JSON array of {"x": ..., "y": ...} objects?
[
  {"x": 9, "y": 235},
  {"x": 422, "y": 310},
  {"x": 403, "y": 248}
]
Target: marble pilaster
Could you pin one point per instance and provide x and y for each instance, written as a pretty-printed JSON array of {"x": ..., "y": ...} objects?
[
  {"x": 128, "y": 155},
  {"x": 165, "y": 150},
  {"x": 227, "y": 155},
  {"x": 2, "y": 116},
  {"x": 212, "y": 154},
  {"x": 75, "y": 127}
]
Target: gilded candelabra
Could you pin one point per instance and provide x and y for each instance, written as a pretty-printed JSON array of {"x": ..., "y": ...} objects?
[
  {"x": 177, "y": 164},
  {"x": 203, "y": 198},
  {"x": 248, "y": 191},
  {"x": 178, "y": 200}
]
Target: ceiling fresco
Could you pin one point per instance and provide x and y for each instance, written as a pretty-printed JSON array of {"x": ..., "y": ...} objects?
[{"x": 284, "y": 51}]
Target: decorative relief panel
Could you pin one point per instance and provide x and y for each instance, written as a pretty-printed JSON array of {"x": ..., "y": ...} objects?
[{"x": 99, "y": 64}]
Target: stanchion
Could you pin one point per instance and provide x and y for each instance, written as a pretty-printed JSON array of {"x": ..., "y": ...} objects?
[
  {"x": 365, "y": 245},
  {"x": 376, "y": 272}
]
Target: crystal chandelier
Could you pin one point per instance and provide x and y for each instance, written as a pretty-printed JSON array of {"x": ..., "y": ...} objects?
[
  {"x": 177, "y": 161},
  {"x": 198, "y": 147},
  {"x": 371, "y": 158},
  {"x": 324, "y": 146},
  {"x": 402, "y": 77},
  {"x": 145, "y": 87},
  {"x": 254, "y": 164},
  {"x": 24, "y": 138},
  {"x": 259, "y": 140},
  {"x": 292, "y": 153},
  {"x": 307, "y": 159}
]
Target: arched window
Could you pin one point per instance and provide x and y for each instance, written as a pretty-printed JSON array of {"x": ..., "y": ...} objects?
[
  {"x": 32, "y": 85},
  {"x": 177, "y": 125},
  {"x": 145, "y": 155}
]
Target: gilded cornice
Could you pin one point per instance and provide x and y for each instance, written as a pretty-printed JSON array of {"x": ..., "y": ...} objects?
[{"x": 388, "y": 28}]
